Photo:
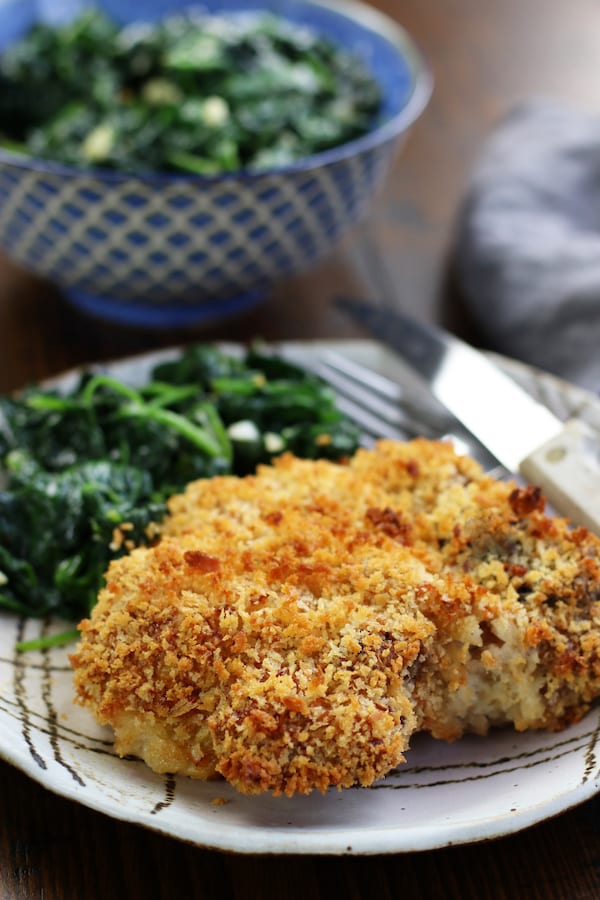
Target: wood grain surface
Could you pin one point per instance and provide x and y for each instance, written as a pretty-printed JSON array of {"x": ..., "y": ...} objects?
[{"x": 485, "y": 57}]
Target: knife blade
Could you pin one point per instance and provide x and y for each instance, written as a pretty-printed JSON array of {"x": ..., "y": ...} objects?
[{"x": 527, "y": 438}]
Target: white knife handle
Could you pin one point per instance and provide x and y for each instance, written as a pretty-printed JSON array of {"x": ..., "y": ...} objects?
[{"x": 567, "y": 468}]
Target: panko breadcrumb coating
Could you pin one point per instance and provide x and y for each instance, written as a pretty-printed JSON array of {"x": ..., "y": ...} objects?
[
  {"x": 292, "y": 629},
  {"x": 276, "y": 646},
  {"x": 518, "y": 636}
]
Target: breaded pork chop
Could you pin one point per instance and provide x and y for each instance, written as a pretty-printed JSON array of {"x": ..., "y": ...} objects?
[
  {"x": 280, "y": 656},
  {"x": 293, "y": 628}
]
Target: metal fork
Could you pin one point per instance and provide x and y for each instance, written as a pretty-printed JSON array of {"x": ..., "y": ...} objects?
[{"x": 383, "y": 409}]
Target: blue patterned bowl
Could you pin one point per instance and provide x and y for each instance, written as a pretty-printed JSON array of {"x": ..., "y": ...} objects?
[{"x": 170, "y": 250}]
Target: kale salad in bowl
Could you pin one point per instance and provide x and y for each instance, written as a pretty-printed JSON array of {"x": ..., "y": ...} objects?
[
  {"x": 192, "y": 92},
  {"x": 166, "y": 164}
]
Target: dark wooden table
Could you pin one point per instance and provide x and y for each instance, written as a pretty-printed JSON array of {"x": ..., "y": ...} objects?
[{"x": 485, "y": 57}]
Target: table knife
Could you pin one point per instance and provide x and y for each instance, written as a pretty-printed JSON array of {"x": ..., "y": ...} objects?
[{"x": 562, "y": 458}]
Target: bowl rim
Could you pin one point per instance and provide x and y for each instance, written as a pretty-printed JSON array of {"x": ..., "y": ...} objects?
[{"x": 369, "y": 18}]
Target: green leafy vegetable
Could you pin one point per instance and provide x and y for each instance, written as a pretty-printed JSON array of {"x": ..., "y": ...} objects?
[
  {"x": 86, "y": 473},
  {"x": 192, "y": 93}
]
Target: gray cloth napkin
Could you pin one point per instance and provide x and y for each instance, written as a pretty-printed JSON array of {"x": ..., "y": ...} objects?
[{"x": 527, "y": 251}]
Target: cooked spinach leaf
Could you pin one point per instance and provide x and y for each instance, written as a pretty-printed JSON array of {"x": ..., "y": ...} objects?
[
  {"x": 86, "y": 473},
  {"x": 192, "y": 93}
]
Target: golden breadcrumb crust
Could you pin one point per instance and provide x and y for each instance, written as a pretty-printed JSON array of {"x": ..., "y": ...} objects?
[
  {"x": 526, "y": 648},
  {"x": 292, "y": 629}
]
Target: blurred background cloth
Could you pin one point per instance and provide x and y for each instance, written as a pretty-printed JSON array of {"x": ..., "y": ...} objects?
[{"x": 527, "y": 249}]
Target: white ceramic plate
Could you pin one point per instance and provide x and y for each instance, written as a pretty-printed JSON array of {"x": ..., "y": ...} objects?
[{"x": 475, "y": 789}]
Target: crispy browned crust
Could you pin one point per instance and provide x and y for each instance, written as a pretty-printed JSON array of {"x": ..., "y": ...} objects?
[
  {"x": 293, "y": 628},
  {"x": 277, "y": 653},
  {"x": 525, "y": 648}
]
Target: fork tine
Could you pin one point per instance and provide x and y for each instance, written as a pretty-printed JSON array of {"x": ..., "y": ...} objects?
[
  {"x": 428, "y": 420},
  {"x": 362, "y": 397},
  {"x": 382, "y": 409},
  {"x": 372, "y": 426},
  {"x": 362, "y": 407},
  {"x": 356, "y": 397},
  {"x": 439, "y": 427},
  {"x": 416, "y": 421},
  {"x": 379, "y": 383}
]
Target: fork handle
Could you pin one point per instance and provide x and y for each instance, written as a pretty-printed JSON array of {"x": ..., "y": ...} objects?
[{"x": 567, "y": 468}]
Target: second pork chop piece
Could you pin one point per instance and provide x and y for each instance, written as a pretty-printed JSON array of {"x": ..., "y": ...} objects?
[{"x": 521, "y": 644}]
